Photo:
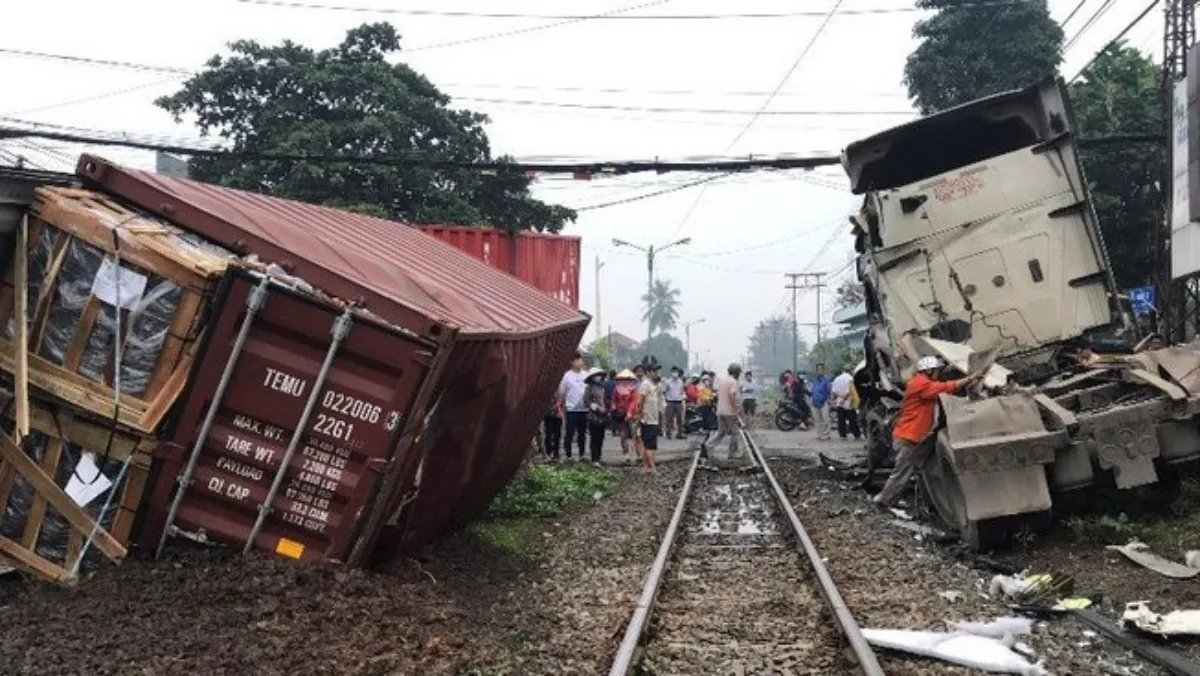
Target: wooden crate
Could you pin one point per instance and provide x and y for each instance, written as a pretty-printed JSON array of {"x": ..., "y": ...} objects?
[
  {"x": 69, "y": 220},
  {"x": 33, "y": 489}
]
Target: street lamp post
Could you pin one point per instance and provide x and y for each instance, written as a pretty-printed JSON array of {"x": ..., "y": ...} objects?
[
  {"x": 687, "y": 338},
  {"x": 650, "y": 252}
]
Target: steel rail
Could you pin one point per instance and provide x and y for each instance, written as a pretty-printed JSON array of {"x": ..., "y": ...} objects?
[
  {"x": 858, "y": 643},
  {"x": 623, "y": 665}
]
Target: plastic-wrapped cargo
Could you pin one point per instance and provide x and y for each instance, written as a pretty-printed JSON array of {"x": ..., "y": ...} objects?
[
  {"x": 94, "y": 350},
  {"x": 463, "y": 354},
  {"x": 548, "y": 262}
]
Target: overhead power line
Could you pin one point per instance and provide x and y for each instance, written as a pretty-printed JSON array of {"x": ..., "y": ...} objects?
[
  {"x": 1114, "y": 41},
  {"x": 601, "y": 167},
  {"x": 288, "y": 4},
  {"x": 761, "y": 110},
  {"x": 1073, "y": 13},
  {"x": 656, "y": 193},
  {"x": 468, "y": 99},
  {"x": 671, "y": 109},
  {"x": 533, "y": 29},
  {"x": 1089, "y": 24}
]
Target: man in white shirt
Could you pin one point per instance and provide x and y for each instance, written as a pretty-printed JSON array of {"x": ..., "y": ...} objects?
[
  {"x": 842, "y": 402},
  {"x": 673, "y": 393},
  {"x": 570, "y": 399}
]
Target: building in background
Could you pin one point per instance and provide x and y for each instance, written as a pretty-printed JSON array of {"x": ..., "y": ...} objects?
[{"x": 854, "y": 323}]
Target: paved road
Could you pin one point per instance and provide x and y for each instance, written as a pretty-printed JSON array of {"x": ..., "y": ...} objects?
[{"x": 772, "y": 442}]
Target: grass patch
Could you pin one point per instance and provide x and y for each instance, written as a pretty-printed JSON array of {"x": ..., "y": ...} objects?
[
  {"x": 547, "y": 491},
  {"x": 1165, "y": 528},
  {"x": 515, "y": 518}
]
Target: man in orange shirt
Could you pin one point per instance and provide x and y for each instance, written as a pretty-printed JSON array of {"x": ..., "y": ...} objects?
[{"x": 912, "y": 434}]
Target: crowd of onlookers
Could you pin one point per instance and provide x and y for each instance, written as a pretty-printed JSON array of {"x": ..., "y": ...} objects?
[{"x": 639, "y": 405}]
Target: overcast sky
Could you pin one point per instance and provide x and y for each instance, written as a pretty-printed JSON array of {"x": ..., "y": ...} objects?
[{"x": 746, "y": 231}]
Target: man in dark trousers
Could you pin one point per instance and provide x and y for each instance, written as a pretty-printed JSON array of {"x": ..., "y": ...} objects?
[
  {"x": 571, "y": 392},
  {"x": 912, "y": 435}
]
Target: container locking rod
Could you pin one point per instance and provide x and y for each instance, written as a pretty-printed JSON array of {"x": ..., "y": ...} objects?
[
  {"x": 341, "y": 329},
  {"x": 254, "y": 304}
]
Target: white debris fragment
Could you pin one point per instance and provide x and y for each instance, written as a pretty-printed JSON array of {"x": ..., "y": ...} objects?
[
  {"x": 1192, "y": 558},
  {"x": 1175, "y": 623},
  {"x": 1140, "y": 554},
  {"x": 965, "y": 647},
  {"x": 951, "y": 596}
]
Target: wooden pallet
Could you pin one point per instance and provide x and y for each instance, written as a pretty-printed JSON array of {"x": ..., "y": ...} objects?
[
  {"x": 147, "y": 244},
  {"x": 48, "y": 497}
]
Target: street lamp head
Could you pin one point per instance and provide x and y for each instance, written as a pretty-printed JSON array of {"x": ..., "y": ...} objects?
[{"x": 685, "y": 240}]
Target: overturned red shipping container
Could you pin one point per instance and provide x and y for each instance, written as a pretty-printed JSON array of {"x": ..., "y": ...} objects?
[
  {"x": 548, "y": 262},
  {"x": 403, "y": 413}
]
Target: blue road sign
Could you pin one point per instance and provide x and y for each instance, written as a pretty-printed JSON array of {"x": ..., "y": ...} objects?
[{"x": 1142, "y": 299}]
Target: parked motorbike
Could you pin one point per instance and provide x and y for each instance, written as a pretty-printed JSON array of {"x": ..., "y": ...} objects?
[
  {"x": 789, "y": 415},
  {"x": 693, "y": 422}
]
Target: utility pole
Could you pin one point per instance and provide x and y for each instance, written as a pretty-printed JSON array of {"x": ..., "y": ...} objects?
[
  {"x": 650, "y": 252},
  {"x": 1179, "y": 33},
  {"x": 687, "y": 338},
  {"x": 599, "y": 266},
  {"x": 803, "y": 281}
]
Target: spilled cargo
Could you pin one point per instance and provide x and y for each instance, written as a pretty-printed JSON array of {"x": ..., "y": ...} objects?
[{"x": 293, "y": 369}]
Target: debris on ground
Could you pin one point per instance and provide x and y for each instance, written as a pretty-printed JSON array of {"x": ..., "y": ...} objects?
[
  {"x": 1140, "y": 554},
  {"x": 1174, "y": 623},
  {"x": 979, "y": 645}
]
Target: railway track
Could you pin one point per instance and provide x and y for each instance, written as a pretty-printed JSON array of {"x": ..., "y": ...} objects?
[{"x": 738, "y": 587}]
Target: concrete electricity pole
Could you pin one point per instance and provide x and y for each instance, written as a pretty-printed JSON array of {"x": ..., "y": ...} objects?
[
  {"x": 687, "y": 338},
  {"x": 803, "y": 281},
  {"x": 599, "y": 266},
  {"x": 650, "y": 252}
]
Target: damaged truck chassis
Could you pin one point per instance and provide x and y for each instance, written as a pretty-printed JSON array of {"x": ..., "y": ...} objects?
[{"x": 978, "y": 243}]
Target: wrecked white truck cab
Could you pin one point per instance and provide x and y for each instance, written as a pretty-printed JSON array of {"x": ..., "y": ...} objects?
[{"x": 977, "y": 235}]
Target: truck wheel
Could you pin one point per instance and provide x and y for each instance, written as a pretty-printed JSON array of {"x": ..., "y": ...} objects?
[{"x": 946, "y": 494}]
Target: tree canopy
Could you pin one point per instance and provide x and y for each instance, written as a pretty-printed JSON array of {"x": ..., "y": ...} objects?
[
  {"x": 970, "y": 50},
  {"x": 770, "y": 347},
  {"x": 1120, "y": 95},
  {"x": 661, "y": 305},
  {"x": 350, "y": 101}
]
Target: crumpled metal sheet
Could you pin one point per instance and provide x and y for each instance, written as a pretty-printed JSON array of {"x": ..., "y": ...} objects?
[
  {"x": 1180, "y": 362},
  {"x": 1140, "y": 554},
  {"x": 1174, "y": 623}
]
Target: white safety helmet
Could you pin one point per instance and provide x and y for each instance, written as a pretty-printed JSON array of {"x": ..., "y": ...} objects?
[{"x": 928, "y": 363}]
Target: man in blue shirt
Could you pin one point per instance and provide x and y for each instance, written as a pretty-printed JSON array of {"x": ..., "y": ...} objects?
[{"x": 820, "y": 403}]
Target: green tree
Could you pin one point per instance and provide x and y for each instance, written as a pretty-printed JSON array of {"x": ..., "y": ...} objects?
[
  {"x": 969, "y": 51},
  {"x": 770, "y": 346},
  {"x": 666, "y": 348},
  {"x": 349, "y": 100},
  {"x": 661, "y": 306},
  {"x": 1120, "y": 95},
  {"x": 835, "y": 354}
]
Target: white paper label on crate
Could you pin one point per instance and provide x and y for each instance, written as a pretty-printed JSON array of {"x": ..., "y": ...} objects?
[
  {"x": 86, "y": 483},
  {"x": 105, "y": 287}
]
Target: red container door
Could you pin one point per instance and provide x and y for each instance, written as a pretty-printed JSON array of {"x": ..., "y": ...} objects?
[{"x": 360, "y": 425}]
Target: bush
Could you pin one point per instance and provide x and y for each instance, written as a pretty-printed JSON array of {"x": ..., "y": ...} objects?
[{"x": 546, "y": 491}]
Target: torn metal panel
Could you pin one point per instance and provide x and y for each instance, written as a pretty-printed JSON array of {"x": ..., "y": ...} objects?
[
  {"x": 1174, "y": 623},
  {"x": 1140, "y": 554}
]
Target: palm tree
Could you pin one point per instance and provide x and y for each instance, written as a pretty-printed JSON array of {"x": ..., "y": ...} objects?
[{"x": 662, "y": 306}]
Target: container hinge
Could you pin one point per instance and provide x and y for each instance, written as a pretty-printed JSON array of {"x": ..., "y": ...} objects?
[
  {"x": 380, "y": 465},
  {"x": 1069, "y": 210},
  {"x": 1051, "y": 143}
]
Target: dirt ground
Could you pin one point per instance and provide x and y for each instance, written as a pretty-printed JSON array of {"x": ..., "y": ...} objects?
[
  {"x": 463, "y": 607},
  {"x": 472, "y": 605},
  {"x": 892, "y": 578}
]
